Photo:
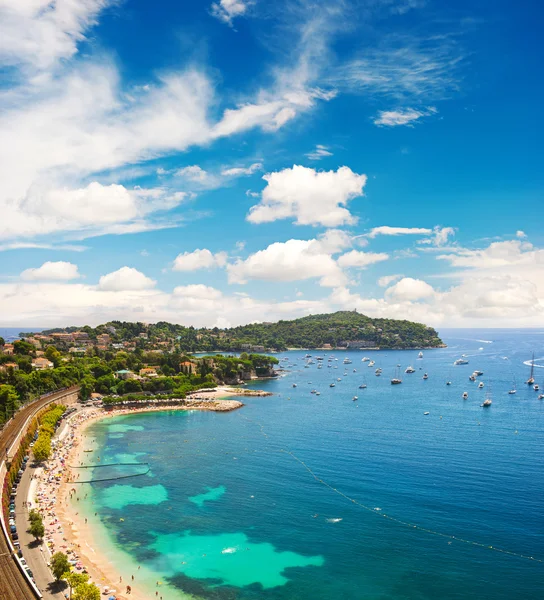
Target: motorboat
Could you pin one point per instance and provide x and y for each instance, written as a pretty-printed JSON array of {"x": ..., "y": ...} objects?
[
  {"x": 371, "y": 363},
  {"x": 472, "y": 377},
  {"x": 365, "y": 359},
  {"x": 410, "y": 370},
  {"x": 461, "y": 361},
  {"x": 426, "y": 412},
  {"x": 425, "y": 376},
  {"x": 465, "y": 395},
  {"x": 535, "y": 387},
  {"x": 420, "y": 355},
  {"x": 347, "y": 361},
  {"x": 481, "y": 385},
  {"x": 294, "y": 385},
  {"x": 355, "y": 398},
  {"x": 332, "y": 385},
  {"x": 448, "y": 382},
  {"x": 487, "y": 402},
  {"x": 478, "y": 373},
  {"x": 362, "y": 386},
  {"x": 395, "y": 381}
]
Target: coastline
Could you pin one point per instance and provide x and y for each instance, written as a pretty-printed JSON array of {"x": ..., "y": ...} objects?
[{"x": 76, "y": 534}]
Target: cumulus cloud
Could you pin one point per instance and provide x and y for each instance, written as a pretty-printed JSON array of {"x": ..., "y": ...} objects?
[
  {"x": 361, "y": 260},
  {"x": 293, "y": 260},
  {"x": 125, "y": 279},
  {"x": 402, "y": 116},
  {"x": 440, "y": 236},
  {"x": 513, "y": 253},
  {"x": 308, "y": 196},
  {"x": 410, "y": 289},
  {"x": 193, "y": 173},
  {"x": 52, "y": 271},
  {"x": 227, "y": 10},
  {"x": 521, "y": 234},
  {"x": 93, "y": 208},
  {"x": 319, "y": 152},
  {"x": 199, "y": 259}
]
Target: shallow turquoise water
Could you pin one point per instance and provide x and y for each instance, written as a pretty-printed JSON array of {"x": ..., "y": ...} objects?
[{"x": 228, "y": 510}]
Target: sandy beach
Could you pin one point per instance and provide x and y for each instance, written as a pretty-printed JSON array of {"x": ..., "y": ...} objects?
[{"x": 55, "y": 493}]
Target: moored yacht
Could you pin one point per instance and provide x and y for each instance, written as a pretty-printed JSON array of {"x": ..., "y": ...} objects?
[
  {"x": 461, "y": 361},
  {"x": 365, "y": 359},
  {"x": 410, "y": 370},
  {"x": 371, "y": 363},
  {"x": 531, "y": 379},
  {"x": 347, "y": 361},
  {"x": 425, "y": 376},
  {"x": 465, "y": 395},
  {"x": 420, "y": 355},
  {"x": 481, "y": 384}
]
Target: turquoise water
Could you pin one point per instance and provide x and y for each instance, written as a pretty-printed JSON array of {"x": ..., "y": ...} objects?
[{"x": 299, "y": 496}]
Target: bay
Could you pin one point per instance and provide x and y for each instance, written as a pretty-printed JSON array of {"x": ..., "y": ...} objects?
[{"x": 304, "y": 496}]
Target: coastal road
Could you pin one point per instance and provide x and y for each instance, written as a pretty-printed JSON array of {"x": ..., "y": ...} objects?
[{"x": 13, "y": 584}]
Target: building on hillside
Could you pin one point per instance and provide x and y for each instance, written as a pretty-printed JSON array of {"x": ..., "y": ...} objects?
[
  {"x": 80, "y": 336},
  {"x": 149, "y": 372},
  {"x": 42, "y": 363},
  {"x": 9, "y": 365},
  {"x": 8, "y": 349},
  {"x": 143, "y": 336},
  {"x": 125, "y": 374},
  {"x": 327, "y": 347},
  {"x": 188, "y": 368},
  {"x": 34, "y": 341},
  {"x": 77, "y": 350},
  {"x": 118, "y": 346},
  {"x": 103, "y": 339},
  {"x": 65, "y": 338}
]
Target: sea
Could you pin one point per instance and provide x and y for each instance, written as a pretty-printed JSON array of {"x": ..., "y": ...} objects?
[{"x": 406, "y": 492}]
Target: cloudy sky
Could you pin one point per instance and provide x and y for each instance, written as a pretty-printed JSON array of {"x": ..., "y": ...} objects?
[{"x": 217, "y": 163}]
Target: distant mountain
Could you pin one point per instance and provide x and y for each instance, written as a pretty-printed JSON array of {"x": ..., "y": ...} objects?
[{"x": 342, "y": 329}]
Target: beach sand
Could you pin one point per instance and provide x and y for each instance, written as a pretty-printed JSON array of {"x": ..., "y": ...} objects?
[{"x": 56, "y": 496}]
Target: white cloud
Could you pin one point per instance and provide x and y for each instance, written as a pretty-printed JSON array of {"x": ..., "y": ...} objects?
[
  {"x": 294, "y": 260},
  {"x": 513, "y": 253},
  {"x": 402, "y": 116},
  {"x": 125, "y": 279},
  {"x": 361, "y": 260},
  {"x": 310, "y": 197},
  {"x": 199, "y": 259},
  {"x": 90, "y": 209},
  {"x": 387, "y": 279},
  {"x": 38, "y": 246},
  {"x": 319, "y": 152},
  {"x": 193, "y": 173},
  {"x": 227, "y": 10},
  {"x": 52, "y": 271},
  {"x": 240, "y": 171},
  {"x": 410, "y": 289},
  {"x": 521, "y": 234},
  {"x": 40, "y": 32},
  {"x": 386, "y": 230}
]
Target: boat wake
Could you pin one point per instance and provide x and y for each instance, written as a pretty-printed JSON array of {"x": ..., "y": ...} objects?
[
  {"x": 334, "y": 520},
  {"x": 529, "y": 362},
  {"x": 228, "y": 550}
]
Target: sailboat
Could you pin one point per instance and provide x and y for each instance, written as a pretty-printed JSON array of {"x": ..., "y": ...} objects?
[
  {"x": 396, "y": 380},
  {"x": 531, "y": 379},
  {"x": 513, "y": 389}
]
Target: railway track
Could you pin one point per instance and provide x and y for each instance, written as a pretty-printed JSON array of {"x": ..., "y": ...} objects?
[{"x": 13, "y": 585}]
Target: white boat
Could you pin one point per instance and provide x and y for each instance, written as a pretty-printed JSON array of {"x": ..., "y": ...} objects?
[
  {"x": 362, "y": 386},
  {"x": 410, "y": 370},
  {"x": 396, "y": 380},
  {"x": 487, "y": 402},
  {"x": 535, "y": 387},
  {"x": 478, "y": 373},
  {"x": 465, "y": 395},
  {"x": 294, "y": 385},
  {"x": 461, "y": 361},
  {"x": 425, "y": 376},
  {"x": 332, "y": 385},
  {"x": 531, "y": 379},
  {"x": 371, "y": 363},
  {"x": 355, "y": 398},
  {"x": 481, "y": 384},
  {"x": 541, "y": 397},
  {"x": 365, "y": 359},
  {"x": 426, "y": 412},
  {"x": 472, "y": 377},
  {"x": 420, "y": 355},
  {"x": 347, "y": 361},
  {"x": 448, "y": 382},
  {"x": 512, "y": 391}
]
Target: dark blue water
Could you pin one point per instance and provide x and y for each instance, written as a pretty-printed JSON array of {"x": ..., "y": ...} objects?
[
  {"x": 227, "y": 512},
  {"x": 12, "y": 333}
]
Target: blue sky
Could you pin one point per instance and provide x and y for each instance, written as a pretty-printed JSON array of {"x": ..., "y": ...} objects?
[{"x": 215, "y": 163}]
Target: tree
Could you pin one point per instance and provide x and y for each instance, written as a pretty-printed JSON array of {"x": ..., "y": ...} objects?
[
  {"x": 2, "y": 341},
  {"x": 59, "y": 565},
  {"x": 86, "y": 388},
  {"x": 42, "y": 448},
  {"x": 75, "y": 579},
  {"x": 21, "y": 347},
  {"x": 8, "y": 401},
  {"x": 53, "y": 355},
  {"x": 37, "y": 529},
  {"x": 86, "y": 591}
]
